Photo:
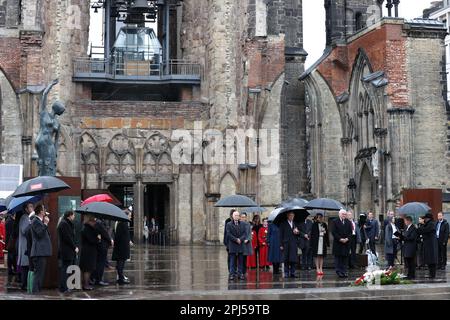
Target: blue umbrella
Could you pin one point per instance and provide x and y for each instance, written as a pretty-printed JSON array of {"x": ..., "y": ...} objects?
[
  {"x": 16, "y": 204},
  {"x": 2, "y": 205}
]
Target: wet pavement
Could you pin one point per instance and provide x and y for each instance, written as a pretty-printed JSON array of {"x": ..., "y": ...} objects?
[{"x": 200, "y": 272}]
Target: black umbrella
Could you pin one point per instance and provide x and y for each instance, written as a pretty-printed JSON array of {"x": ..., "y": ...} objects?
[
  {"x": 235, "y": 201},
  {"x": 274, "y": 214},
  {"x": 104, "y": 210},
  {"x": 300, "y": 214},
  {"x": 40, "y": 185},
  {"x": 325, "y": 204},
  {"x": 414, "y": 208},
  {"x": 298, "y": 202}
]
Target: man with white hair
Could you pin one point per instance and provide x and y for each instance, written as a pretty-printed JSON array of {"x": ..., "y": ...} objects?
[{"x": 342, "y": 233}]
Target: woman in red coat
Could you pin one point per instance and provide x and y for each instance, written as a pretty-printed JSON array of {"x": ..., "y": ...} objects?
[{"x": 263, "y": 245}]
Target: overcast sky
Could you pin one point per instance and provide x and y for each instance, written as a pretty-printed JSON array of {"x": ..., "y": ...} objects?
[{"x": 314, "y": 23}]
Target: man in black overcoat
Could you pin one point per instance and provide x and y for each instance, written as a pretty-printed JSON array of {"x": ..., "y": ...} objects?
[
  {"x": 442, "y": 232},
  {"x": 121, "y": 250},
  {"x": 304, "y": 244},
  {"x": 102, "y": 253},
  {"x": 430, "y": 243},
  {"x": 237, "y": 233},
  {"x": 225, "y": 237},
  {"x": 67, "y": 248},
  {"x": 289, "y": 238},
  {"x": 409, "y": 238},
  {"x": 342, "y": 233}
]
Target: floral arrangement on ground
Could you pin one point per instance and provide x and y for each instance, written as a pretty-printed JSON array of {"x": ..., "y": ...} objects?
[{"x": 389, "y": 277}]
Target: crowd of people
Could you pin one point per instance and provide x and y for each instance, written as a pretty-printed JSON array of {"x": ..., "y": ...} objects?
[
  {"x": 29, "y": 245},
  {"x": 291, "y": 243}
]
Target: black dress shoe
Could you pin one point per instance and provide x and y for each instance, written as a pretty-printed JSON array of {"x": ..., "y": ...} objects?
[
  {"x": 88, "y": 288},
  {"x": 293, "y": 276},
  {"x": 102, "y": 283}
]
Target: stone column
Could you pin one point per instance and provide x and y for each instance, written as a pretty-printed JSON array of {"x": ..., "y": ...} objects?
[{"x": 138, "y": 208}]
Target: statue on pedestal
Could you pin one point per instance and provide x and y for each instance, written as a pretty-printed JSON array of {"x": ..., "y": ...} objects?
[{"x": 48, "y": 136}]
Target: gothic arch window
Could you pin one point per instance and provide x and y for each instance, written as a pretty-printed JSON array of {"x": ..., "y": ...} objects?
[
  {"x": 121, "y": 157},
  {"x": 157, "y": 158},
  {"x": 89, "y": 162}
]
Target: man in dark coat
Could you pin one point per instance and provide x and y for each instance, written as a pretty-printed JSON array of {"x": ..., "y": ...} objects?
[
  {"x": 10, "y": 244},
  {"x": 342, "y": 233},
  {"x": 409, "y": 238},
  {"x": 225, "y": 237},
  {"x": 237, "y": 234},
  {"x": 102, "y": 253},
  {"x": 372, "y": 230},
  {"x": 275, "y": 256},
  {"x": 67, "y": 249},
  {"x": 354, "y": 240},
  {"x": 442, "y": 232},
  {"x": 289, "y": 234},
  {"x": 41, "y": 248},
  {"x": 121, "y": 250},
  {"x": 304, "y": 243},
  {"x": 430, "y": 243}
]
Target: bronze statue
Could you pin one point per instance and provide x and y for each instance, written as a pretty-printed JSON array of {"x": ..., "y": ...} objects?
[{"x": 48, "y": 136}]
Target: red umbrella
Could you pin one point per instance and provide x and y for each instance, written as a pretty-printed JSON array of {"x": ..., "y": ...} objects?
[{"x": 98, "y": 198}]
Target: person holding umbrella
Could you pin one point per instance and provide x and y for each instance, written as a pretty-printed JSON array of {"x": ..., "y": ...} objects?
[
  {"x": 237, "y": 233},
  {"x": 430, "y": 244},
  {"x": 90, "y": 238},
  {"x": 275, "y": 255},
  {"x": 289, "y": 233},
  {"x": 342, "y": 233},
  {"x": 41, "y": 248},
  {"x": 121, "y": 250},
  {"x": 102, "y": 253}
]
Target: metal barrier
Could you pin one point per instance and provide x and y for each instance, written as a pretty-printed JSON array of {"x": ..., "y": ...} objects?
[
  {"x": 97, "y": 68},
  {"x": 165, "y": 237}
]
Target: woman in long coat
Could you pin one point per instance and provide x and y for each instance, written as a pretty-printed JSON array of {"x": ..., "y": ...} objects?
[
  {"x": 247, "y": 248},
  {"x": 88, "y": 255},
  {"x": 390, "y": 243},
  {"x": 273, "y": 239},
  {"x": 263, "y": 246},
  {"x": 430, "y": 244},
  {"x": 121, "y": 250},
  {"x": 319, "y": 242}
]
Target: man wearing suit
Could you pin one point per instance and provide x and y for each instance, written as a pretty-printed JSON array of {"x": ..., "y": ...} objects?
[
  {"x": 237, "y": 233},
  {"x": 372, "y": 230},
  {"x": 225, "y": 237},
  {"x": 442, "y": 232},
  {"x": 304, "y": 244},
  {"x": 409, "y": 238},
  {"x": 354, "y": 240},
  {"x": 289, "y": 234},
  {"x": 102, "y": 253},
  {"x": 41, "y": 247},
  {"x": 342, "y": 233},
  {"x": 67, "y": 249}
]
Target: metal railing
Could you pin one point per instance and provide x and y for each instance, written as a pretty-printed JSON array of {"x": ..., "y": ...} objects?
[
  {"x": 99, "y": 68},
  {"x": 165, "y": 237}
]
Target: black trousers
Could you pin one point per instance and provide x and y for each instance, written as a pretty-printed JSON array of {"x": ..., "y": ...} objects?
[
  {"x": 442, "y": 255},
  {"x": 119, "y": 267},
  {"x": 410, "y": 264},
  {"x": 307, "y": 258},
  {"x": 24, "y": 276},
  {"x": 352, "y": 260},
  {"x": 289, "y": 268},
  {"x": 276, "y": 268},
  {"x": 372, "y": 246},
  {"x": 64, "y": 264},
  {"x": 102, "y": 255},
  {"x": 340, "y": 264},
  {"x": 39, "y": 263},
  {"x": 12, "y": 263},
  {"x": 432, "y": 270}
]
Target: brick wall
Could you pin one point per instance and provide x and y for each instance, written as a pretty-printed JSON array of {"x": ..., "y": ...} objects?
[{"x": 10, "y": 59}]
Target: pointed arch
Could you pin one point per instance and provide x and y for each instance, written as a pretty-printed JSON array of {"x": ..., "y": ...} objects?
[
  {"x": 90, "y": 161},
  {"x": 121, "y": 156}
]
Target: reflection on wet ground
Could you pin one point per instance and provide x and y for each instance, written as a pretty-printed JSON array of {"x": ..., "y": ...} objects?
[{"x": 200, "y": 272}]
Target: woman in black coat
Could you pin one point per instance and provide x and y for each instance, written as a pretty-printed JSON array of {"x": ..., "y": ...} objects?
[
  {"x": 88, "y": 255},
  {"x": 319, "y": 242},
  {"x": 121, "y": 251},
  {"x": 430, "y": 244}
]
